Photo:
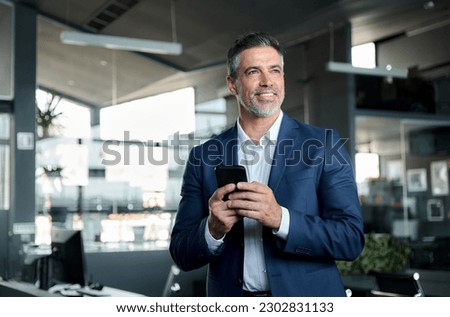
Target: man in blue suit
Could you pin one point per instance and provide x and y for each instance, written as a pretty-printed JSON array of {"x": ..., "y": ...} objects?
[{"x": 280, "y": 233}]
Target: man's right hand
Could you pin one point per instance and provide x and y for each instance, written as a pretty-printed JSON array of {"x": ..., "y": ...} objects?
[{"x": 221, "y": 219}]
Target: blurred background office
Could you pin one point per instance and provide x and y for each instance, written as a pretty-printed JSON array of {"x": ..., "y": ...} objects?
[{"x": 100, "y": 102}]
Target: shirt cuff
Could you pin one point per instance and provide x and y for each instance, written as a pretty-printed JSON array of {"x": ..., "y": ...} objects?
[
  {"x": 283, "y": 231},
  {"x": 213, "y": 244}
]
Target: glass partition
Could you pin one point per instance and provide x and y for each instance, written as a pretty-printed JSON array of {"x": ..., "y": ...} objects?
[{"x": 410, "y": 197}]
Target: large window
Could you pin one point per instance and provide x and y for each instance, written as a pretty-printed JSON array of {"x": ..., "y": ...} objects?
[
  {"x": 210, "y": 117},
  {"x": 61, "y": 152},
  {"x": 364, "y": 55},
  {"x": 140, "y": 147},
  {"x": 4, "y": 161},
  {"x": 6, "y": 93},
  {"x": 120, "y": 179}
]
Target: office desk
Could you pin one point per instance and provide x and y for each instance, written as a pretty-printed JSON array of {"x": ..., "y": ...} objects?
[{"x": 22, "y": 289}]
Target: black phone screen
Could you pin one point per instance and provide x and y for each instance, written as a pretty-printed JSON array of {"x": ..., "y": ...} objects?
[
  {"x": 230, "y": 174},
  {"x": 227, "y": 174}
]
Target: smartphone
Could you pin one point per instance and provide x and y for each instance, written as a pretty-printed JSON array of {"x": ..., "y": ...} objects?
[{"x": 227, "y": 174}]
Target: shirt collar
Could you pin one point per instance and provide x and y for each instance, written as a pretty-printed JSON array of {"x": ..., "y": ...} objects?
[{"x": 270, "y": 135}]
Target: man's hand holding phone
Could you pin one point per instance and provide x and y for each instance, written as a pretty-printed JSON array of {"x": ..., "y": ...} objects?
[
  {"x": 221, "y": 217},
  {"x": 253, "y": 200}
]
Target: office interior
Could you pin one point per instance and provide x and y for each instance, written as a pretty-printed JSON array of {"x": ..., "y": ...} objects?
[{"x": 94, "y": 140}]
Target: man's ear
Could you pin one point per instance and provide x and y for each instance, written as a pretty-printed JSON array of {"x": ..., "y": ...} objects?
[{"x": 231, "y": 85}]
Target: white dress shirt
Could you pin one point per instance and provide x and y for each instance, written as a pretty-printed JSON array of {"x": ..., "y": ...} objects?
[{"x": 257, "y": 160}]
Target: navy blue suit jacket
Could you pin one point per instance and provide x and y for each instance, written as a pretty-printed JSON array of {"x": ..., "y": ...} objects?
[{"x": 313, "y": 178}]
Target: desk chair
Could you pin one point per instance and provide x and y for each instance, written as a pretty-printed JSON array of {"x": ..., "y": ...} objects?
[
  {"x": 397, "y": 284},
  {"x": 171, "y": 286}
]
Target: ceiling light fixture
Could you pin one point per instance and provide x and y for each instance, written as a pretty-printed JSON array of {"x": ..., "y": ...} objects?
[
  {"x": 377, "y": 71},
  {"x": 127, "y": 43},
  {"x": 121, "y": 43}
]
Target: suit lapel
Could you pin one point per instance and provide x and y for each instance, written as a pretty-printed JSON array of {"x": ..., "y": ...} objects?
[
  {"x": 286, "y": 142},
  {"x": 230, "y": 146}
]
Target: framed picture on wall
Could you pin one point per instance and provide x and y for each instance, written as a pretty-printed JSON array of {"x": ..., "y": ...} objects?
[
  {"x": 435, "y": 210},
  {"x": 417, "y": 180},
  {"x": 439, "y": 178}
]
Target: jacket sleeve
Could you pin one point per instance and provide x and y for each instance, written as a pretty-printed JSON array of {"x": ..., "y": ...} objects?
[{"x": 188, "y": 246}]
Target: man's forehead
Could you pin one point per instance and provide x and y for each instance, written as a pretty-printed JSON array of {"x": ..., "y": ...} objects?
[{"x": 264, "y": 55}]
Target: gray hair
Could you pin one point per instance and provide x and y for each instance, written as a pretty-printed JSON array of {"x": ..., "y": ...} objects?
[{"x": 247, "y": 41}]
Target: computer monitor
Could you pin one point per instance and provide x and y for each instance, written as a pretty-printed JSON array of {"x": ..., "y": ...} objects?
[{"x": 67, "y": 257}]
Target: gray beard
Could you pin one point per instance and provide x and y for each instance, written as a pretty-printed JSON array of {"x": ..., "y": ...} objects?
[
  {"x": 259, "y": 112},
  {"x": 263, "y": 113}
]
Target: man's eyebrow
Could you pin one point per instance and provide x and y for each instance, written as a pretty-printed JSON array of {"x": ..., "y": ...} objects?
[
  {"x": 261, "y": 66},
  {"x": 251, "y": 67}
]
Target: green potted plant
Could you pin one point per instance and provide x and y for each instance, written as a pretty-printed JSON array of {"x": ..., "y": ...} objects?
[{"x": 382, "y": 253}]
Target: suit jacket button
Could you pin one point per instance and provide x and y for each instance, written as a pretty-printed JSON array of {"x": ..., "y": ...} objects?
[
  {"x": 238, "y": 282},
  {"x": 302, "y": 250}
]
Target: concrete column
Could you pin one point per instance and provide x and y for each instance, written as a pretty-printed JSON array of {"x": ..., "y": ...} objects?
[
  {"x": 330, "y": 97},
  {"x": 23, "y": 134}
]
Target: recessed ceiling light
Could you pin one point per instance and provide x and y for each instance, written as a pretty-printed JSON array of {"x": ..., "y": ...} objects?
[{"x": 428, "y": 5}]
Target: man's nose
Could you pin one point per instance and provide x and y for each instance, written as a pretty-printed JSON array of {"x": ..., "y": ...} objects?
[{"x": 265, "y": 80}]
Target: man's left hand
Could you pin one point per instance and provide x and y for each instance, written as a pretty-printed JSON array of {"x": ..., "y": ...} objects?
[{"x": 255, "y": 200}]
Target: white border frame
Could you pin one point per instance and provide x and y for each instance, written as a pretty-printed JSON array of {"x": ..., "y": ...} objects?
[
  {"x": 439, "y": 178},
  {"x": 417, "y": 180}
]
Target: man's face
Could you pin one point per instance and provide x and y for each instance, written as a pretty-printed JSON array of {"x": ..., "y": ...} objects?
[{"x": 259, "y": 86}]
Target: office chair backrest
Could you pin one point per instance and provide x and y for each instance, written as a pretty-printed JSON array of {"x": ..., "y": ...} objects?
[{"x": 398, "y": 284}]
